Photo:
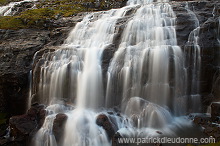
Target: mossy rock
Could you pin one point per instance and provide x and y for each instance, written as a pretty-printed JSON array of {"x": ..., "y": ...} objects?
[
  {"x": 8, "y": 22},
  {"x": 5, "y": 2},
  {"x": 49, "y": 10}
]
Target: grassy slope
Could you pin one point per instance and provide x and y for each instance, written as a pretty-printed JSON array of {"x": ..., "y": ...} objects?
[
  {"x": 5, "y": 2},
  {"x": 50, "y": 9}
]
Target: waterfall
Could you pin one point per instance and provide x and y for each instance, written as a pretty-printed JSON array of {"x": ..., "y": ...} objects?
[
  {"x": 146, "y": 79},
  {"x": 193, "y": 64},
  {"x": 8, "y": 10},
  {"x": 152, "y": 62},
  {"x": 45, "y": 137},
  {"x": 74, "y": 73}
]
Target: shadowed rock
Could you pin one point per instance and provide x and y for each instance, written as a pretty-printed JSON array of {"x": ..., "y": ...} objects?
[
  {"x": 58, "y": 126},
  {"x": 103, "y": 121}
]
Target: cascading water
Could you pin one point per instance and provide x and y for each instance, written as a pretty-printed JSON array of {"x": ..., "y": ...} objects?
[
  {"x": 74, "y": 73},
  {"x": 193, "y": 65},
  {"x": 152, "y": 61},
  {"x": 8, "y": 9},
  {"x": 146, "y": 78}
]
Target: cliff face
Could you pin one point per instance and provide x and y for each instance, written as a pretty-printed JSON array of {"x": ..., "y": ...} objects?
[
  {"x": 17, "y": 51},
  {"x": 17, "y": 48},
  {"x": 207, "y": 13}
]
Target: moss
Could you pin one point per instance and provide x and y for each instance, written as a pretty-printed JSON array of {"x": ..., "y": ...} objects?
[
  {"x": 5, "y": 2},
  {"x": 36, "y": 17},
  {"x": 9, "y": 22},
  {"x": 50, "y": 9}
]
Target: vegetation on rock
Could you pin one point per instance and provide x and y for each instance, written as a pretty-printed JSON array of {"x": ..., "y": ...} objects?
[
  {"x": 53, "y": 9},
  {"x": 5, "y": 2}
]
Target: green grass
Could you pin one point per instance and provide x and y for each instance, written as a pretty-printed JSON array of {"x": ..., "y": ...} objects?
[
  {"x": 36, "y": 17},
  {"x": 48, "y": 10},
  {"x": 28, "y": 19},
  {"x": 5, "y": 2},
  {"x": 8, "y": 22}
]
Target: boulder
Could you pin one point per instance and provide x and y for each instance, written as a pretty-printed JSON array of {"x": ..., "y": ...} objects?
[
  {"x": 202, "y": 119},
  {"x": 212, "y": 130},
  {"x": 59, "y": 125},
  {"x": 103, "y": 121},
  {"x": 215, "y": 110},
  {"x": 24, "y": 125}
]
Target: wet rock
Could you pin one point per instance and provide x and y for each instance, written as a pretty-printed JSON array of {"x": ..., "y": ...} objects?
[
  {"x": 23, "y": 6},
  {"x": 213, "y": 130},
  {"x": 159, "y": 132},
  {"x": 41, "y": 115},
  {"x": 115, "y": 140},
  {"x": 58, "y": 126},
  {"x": 107, "y": 55},
  {"x": 25, "y": 125},
  {"x": 206, "y": 12},
  {"x": 103, "y": 121},
  {"x": 202, "y": 119},
  {"x": 17, "y": 49},
  {"x": 3, "y": 141},
  {"x": 216, "y": 80},
  {"x": 215, "y": 110},
  {"x": 22, "y": 125}
]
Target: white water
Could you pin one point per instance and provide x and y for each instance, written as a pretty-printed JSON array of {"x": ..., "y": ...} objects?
[
  {"x": 76, "y": 67},
  {"x": 45, "y": 137},
  {"x": 146, "y": 78},
  {"x": 8, "y": 9},
  {"x": 193, "y": 64},
  {"x": 150, "y": 55}
]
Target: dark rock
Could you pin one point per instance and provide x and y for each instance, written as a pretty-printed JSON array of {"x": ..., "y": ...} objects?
[
  {"x": 22, "y": 125},
  {"x": 3, "y": 141},
  {"x": 115, "y": 140},
  {"x": 212, "y": 130},
  {"x": 17, "y": 49},
  {"x": 25, "y": 125},
  {"x": 215, "y": 110},
  {"x": 207, "y": 14},
  {"x": 23, "y": 6},
  {"x": 58, "y": 126},
  {"x": 41, "y": 115},
  {"x": 216, "y": 80},
  {"x": 202, "y": 119},
  {"x": 103, "y": 121},
  {"x": 159, "y": 132}
]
